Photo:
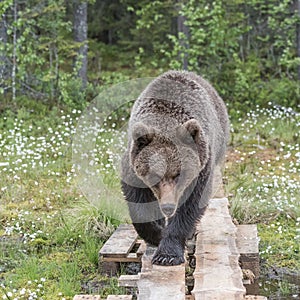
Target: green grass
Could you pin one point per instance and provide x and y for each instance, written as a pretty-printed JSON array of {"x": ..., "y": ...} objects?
[
  {"x": 50, "y": 234},
  {"x": 263, "y": 175},
  {"x": 280, "y": 243}
]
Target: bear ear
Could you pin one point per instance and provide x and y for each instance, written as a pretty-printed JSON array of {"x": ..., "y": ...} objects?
[
  {"x": 141, "y": 135},
  {"x": 191, "y": 133}
]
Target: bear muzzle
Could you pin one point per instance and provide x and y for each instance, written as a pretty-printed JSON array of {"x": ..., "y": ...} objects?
[
  {"x": 168, "y": 209},
  {"x": 167, "y": 197}
]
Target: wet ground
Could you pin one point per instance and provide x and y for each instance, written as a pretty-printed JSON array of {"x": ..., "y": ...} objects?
[
  {"x": 274, "y": 283},
  {"x": 279, "y": 283}
]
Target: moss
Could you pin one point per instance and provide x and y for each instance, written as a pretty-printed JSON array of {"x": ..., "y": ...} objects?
[{"x": 278, "y": 243}]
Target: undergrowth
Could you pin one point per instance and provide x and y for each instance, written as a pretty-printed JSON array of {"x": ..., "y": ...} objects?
[{"x": 50, "y": 233}]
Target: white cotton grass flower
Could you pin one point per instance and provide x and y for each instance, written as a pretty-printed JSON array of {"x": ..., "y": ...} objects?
[{"x": 270, "y": 170}]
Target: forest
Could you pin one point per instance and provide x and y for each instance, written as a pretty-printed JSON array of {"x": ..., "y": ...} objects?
[
  {"x": 61, "y": 60},
  {"x": 62, "y": 52}
]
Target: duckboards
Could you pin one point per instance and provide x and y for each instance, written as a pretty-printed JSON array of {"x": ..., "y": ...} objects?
[{"x": 222, "y": 262}]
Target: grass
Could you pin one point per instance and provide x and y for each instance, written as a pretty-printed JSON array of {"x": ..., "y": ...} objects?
[
  {"x": 50, "y": 233},
  {"x": 263, "y": 175}
]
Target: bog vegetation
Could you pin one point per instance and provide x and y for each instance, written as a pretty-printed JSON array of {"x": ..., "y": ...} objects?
[{"x": 50, "y": 234}]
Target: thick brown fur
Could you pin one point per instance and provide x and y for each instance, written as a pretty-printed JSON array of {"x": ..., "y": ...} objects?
[{"x": 177, "y": 135}]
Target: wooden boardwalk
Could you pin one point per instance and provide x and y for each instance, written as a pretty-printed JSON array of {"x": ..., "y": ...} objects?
[
  {"x": 217, "y": 274},
  {"x": 160, "y": 282},
  {"x": 119, "y": 245},
  {"x": 110, "y": 297},
  {"x": 220, "y": 249}
]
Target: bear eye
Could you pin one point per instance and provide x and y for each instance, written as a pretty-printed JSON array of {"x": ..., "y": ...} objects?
[{"x": 142, "y": 142}]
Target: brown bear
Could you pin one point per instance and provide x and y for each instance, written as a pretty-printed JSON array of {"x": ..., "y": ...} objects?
[{"x": 177, "y": 135}]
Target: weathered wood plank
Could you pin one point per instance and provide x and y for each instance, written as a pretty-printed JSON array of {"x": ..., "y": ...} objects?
[
  {"x": 108, "y": 268},
  {"x": 128, "y": 280},
  {"x": 217, "y": 274},
  {"x": 119, "y": 297},
  {"x": 142, "y": 248},
  {"x": 218, "y": 187},
  {"x": 160, "y": 282},
  {"x": 249, "y": 297},
  {"x": 86, "y": 297},
  {"x": 247, "y": 243},
  {"x": 247, "y": 238},
  {"x": 131, "y": 257},
  {"x": 120, "y": 243}
]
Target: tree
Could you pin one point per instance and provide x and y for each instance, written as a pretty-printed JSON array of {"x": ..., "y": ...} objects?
[
  {"x": 183, "y": 35},
  {"x": 297, "y": 2},
  {"x": 39, "y": 50},
  {"x": 3, "y": 57},
  {"x": 14, "y": 57},
  {"x": 80, "y": 36}
]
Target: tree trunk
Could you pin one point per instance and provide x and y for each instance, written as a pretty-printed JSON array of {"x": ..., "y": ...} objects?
[
  {"x": 298, "y": 35},
  {"x": 80, "y": 35},
  {"x": 3, "y": 57},
  {"x": 183, "y": 34},
  {"x": 14, "y": 58}
]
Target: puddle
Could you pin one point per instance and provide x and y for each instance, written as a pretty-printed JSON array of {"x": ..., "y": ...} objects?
[{"x": 279, "y": 284}]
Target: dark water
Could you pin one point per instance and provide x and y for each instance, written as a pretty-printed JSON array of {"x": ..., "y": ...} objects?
[{"x": 279, "y": 284}]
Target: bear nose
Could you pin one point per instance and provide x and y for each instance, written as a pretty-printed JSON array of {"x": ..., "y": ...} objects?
[{"x": 168, "y": 209}]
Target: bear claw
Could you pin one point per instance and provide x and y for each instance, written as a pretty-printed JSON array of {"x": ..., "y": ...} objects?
[{"x": 167, "y": 260}]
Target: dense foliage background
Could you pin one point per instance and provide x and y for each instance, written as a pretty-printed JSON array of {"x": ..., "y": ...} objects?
[
  {"x": 57, "y": 55},
  {"x": 249, "y": 50}
]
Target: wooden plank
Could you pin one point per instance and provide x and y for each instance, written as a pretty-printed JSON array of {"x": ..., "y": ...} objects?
[
  {"x": 142, "y": 248},
  {"x": 249, "y": 297},
  {"x": 86, "y": 297},
  {"x": 108, "y": 268},
  {"x": 247, "y": 239},
  {"x": 121, "y": 242},
  {"x": 160, "y": 282},
  {"x": 218, "y": 186},
  {"x": 217, "y": 274},
  {"x": 131, "y": 257},
  {"x": 119, "y": 297},
  {"x": 247, "y": 243},
  {"x": 128, "y": 280}
]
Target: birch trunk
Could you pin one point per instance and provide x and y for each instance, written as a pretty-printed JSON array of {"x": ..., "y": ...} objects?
[
  {"x": 80, "y": 35},
  {"x": 183, "y": 31},
  {"x": 3, "y": 54},
  {"x": 298, "y": 35},
  {"x": 14, "y": 58}
]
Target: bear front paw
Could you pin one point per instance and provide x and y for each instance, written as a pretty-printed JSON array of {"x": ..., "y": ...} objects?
[{"x": 166, "y": 259}]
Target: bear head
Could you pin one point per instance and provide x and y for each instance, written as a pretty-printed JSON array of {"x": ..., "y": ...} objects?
[{"x": 168, "y": 162}]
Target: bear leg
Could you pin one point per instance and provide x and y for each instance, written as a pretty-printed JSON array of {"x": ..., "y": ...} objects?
[
  {"x": 145, "y": 213},
  {"x": 151, "y": 232},
  {"x": 171, "y": 248}
]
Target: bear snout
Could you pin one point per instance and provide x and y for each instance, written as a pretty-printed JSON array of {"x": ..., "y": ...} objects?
[{"x": 168, "y": 209}]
